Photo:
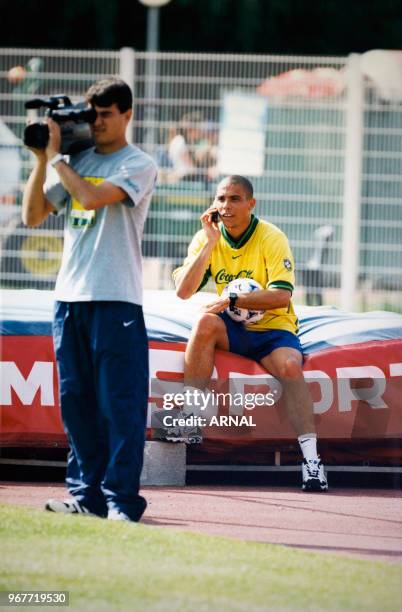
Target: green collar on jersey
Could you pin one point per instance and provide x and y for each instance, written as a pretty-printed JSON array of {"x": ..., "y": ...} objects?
[{"x": 241, "y": 241}]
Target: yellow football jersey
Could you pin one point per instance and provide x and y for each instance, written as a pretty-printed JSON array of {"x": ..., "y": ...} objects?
[{"x": 263, "y": 254}]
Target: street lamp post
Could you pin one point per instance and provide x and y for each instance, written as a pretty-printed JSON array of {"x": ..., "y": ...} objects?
[{"x": 151, "y": 86}]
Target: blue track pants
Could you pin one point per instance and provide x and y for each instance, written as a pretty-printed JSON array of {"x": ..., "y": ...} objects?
[{"x": 102, "y": 358}]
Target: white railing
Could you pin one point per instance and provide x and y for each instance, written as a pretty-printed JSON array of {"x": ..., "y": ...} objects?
[{"x": 330, "y": 162}]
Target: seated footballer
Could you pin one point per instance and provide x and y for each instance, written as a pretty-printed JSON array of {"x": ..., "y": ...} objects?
[{"x": 234, "y": 243}]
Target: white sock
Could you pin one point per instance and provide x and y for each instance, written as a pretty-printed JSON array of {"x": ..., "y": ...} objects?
[{"x": 308, "y": 445}]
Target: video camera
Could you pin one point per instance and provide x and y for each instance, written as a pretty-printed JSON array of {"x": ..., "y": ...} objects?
[{"x": 74, "y": 120}]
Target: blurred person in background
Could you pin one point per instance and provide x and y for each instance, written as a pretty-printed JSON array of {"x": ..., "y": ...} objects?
[{"x": 190, "y": 151}]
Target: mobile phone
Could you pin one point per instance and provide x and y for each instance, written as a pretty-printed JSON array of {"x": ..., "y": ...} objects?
[{"x": 215, "y": 216}]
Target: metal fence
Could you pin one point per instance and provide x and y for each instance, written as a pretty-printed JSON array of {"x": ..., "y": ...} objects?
[{"x": 321, "y": 147}]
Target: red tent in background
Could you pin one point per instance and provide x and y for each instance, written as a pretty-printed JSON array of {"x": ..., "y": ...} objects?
[{"x": 316, "y": 83}]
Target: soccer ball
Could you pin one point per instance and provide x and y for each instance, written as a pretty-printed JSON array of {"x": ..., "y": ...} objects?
[{"x": 243, "y": 315}]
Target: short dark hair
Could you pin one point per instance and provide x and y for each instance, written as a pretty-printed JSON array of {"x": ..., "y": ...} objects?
[
  {"x": 243, "y": 181},
  {"x": 110, "y": 91}
]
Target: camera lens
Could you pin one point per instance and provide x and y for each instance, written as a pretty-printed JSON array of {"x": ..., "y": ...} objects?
[{"x": 36, "y": 135}]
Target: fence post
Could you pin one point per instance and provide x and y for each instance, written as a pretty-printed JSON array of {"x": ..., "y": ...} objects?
[
  {"x": 352, "y": 183},
  {"x": 127, "y": 73}
]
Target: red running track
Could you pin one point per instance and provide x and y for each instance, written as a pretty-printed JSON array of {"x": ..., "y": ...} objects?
[{"x": 359, "y": 522}]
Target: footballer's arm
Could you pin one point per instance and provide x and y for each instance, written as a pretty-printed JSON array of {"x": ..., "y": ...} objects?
[
  {"x": 190, "y": 277},
  {"x": 265, "y": 299}
]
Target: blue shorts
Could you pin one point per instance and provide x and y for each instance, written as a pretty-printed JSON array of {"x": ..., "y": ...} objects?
[{"x": 257, "y": 344}]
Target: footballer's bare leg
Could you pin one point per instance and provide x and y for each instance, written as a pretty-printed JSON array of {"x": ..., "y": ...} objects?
[
  {"x": 286, "y": 365},
  {"x": 208, "y": 334}
]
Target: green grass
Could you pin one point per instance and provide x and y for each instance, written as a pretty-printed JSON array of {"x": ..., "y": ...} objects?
[{"x": 122, "y": 566}]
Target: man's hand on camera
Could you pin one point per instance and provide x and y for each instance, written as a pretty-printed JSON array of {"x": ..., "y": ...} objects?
[
  {"x": 40, "y": 153},
  {"x": 54, "y": 144}
]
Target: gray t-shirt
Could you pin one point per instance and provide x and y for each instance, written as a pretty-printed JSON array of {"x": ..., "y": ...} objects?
[{"x": 102, "y": 248}]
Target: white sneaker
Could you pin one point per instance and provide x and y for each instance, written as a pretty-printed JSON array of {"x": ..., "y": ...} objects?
[
  {"x": 118, "y": 515},
  {"x": 313, "y": 474},
  {"x": 68, "y": 506},
  {"x": 189, "y": 434}
]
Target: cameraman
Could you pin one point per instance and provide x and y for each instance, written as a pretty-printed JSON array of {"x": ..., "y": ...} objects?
[{"x": 99, "y": 333}]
